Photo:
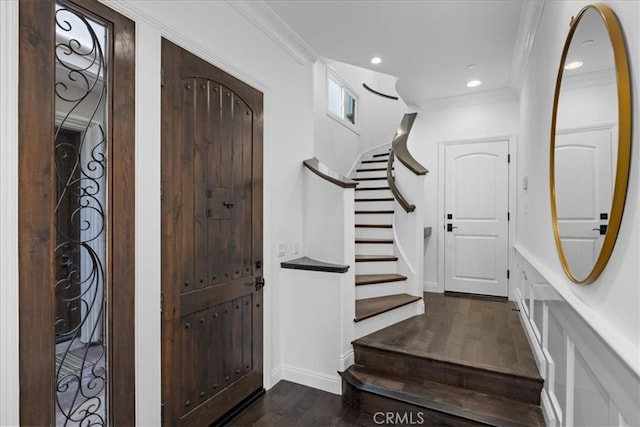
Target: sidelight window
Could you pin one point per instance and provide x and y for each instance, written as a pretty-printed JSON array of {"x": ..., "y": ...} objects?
[{"x": 342, "y": 102}]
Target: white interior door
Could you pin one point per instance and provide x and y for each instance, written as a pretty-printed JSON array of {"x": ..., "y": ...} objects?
[
  {"x": 583, "y": 182},
  {"x": 476, "y": 208}
]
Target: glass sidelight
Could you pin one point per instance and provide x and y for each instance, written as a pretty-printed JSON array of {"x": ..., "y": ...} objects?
[{"x": 80, "y": 161}]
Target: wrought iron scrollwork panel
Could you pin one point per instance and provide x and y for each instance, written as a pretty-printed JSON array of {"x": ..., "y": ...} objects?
[{"x": 80, "y": 153}]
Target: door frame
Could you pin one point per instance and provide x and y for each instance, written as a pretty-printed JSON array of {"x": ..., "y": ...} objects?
[
  {"x": 512, "y": 202},
  {"x": 36, "y": 228}
]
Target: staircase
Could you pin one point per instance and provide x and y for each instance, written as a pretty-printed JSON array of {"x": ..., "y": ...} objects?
[
  {"x": 381, "y": 294},
  {"x": 408, "y": 369}
]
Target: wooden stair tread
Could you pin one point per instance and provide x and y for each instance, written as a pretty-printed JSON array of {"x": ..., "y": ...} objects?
[
  {"x": 375, "y": 258},
  {"x": 375, "y": 212},
  {"x": 371, "y": 178},
  {"x": 372, "y": 188},
  {"x": 369, "y": 307},
  {"x": 370, "y": 279},
  {"x": 374, "y": 161},
  {"x": 371, "y": 169},
  {"x": 381, "y": 155},
  {"x": 454, "y": 401},
  {"x": 379, "y": 199},
  {"x": 374, "y": 241},
  {"x": 374, "y": 226}
]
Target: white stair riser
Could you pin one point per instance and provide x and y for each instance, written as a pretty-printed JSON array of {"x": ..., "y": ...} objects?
[
  {"x": 374, "y": 206},
  {"x": 381, "y": 321},
  {"x": 373, "y": 194},
  {"x": 374, "y": 233},
  {"x": 377, "y": 267},
  {"x": 374, "y": 218},
  {"x": 374, "y": 249},
  {"x": 380, "y": 290},
  {"x": 372, "y": 174},
  {"x": 375, "y": 183}
]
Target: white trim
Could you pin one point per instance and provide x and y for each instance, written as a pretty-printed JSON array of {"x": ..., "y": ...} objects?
[
  {"x": 276, "y": 377},
  {"x": 474, "y": 98},
  {"x": 9, "y": 365},
  {"x": 442, "y": 145},
  {"x": 538, "y": 353},
  {"x": 530, "y": 17},
  {"x": 332, "y": 74},
  {"x": 273, "y": 26},
  {"x": 132, "y": 12},
  {"x": 614, "y": 339},
  {"x": 547, "y": 410},
  {"x": 318, "y": 380},
  {"x": 432, "y": 287},
  {"x": 347, "y": 359}
]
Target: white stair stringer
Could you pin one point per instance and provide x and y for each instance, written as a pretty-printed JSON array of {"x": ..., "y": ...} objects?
[
  {"x": 383, "y": 320},
  {"x": 388, "y": 288}
]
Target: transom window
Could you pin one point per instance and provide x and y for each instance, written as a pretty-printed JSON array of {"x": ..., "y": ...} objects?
[{"x": 342, "y": 102}]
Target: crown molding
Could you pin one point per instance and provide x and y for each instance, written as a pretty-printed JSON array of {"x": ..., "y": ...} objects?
[
  {"x": 483, "y": 97},
  {"x": 273, "y": 26},
  {"x": 530, "y": 16}
]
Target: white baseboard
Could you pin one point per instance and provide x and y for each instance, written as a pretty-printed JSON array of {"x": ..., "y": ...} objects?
[
  {"x": 318, "y": 380},
  {"x": 547, "y": 410},
  {"x": 347, "y": 359},
  {"x": 538, "y": 354},
  {"x": 276, "y": 376},
  {"x": 431, "y": 287}
]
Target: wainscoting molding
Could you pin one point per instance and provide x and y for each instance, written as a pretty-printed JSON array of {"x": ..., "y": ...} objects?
[{"x": 586, "y": 381}]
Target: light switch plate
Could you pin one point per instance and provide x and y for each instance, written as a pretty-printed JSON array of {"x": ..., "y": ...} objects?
[{"x": 282, "y": 249}]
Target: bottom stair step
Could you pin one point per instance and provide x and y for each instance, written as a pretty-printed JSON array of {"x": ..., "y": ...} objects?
[
  {"x": 431, "y": 403},
  {"x": 369, "y": 307}
]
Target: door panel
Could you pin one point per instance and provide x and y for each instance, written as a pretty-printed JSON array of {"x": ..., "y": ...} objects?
[
  {"x": 476, "y": 198},
  {"x": 211, "y": 239},
  {"x": 583, "y": 193}
]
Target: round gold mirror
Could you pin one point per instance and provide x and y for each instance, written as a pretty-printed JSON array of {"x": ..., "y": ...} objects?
[{"x": 590, "y": 143}]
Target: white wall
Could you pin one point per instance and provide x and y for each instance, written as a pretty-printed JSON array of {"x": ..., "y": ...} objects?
[
  {"x": 378, "y": 118},
  {"x": 220, "y": 35},
  {"x": 470, "y": 122},
  {"x": 611, "y": 304}
]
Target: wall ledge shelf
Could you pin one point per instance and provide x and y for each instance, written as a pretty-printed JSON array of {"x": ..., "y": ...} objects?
[{"x": 310, "y": 264}]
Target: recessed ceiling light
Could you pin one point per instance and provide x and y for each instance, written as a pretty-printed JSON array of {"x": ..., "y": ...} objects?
[
  {"x": 474, "y": 83},
  {"x": 376, "y": 60},
  {"x": 471, "y": 66},
  {"x": 573, "y": 65},
  {"x": 587, "y": 42}
]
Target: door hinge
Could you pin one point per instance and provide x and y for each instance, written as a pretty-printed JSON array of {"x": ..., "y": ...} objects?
[
  {"x": 161, "y": 301},
  {"x": 508, "y": 158},
  {"x": 508, "y": 216},
  {"x": 161, "y": 189},
  {"x": 162, "y": 414},
  {"x": 209, "y": 213},
  {"x": 508, "y": 273},
  {"x": 161, "y": 76}
]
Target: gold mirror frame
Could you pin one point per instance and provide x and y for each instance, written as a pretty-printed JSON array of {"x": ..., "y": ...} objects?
[{"x": 624, "y": 141}]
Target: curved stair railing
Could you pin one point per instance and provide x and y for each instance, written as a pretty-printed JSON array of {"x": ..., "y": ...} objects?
[{"x": 400, "y": 150}]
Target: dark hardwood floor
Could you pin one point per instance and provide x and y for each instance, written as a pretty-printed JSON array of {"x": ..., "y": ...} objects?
[
  {"x": 289, "y": 404},
  {"x": 465, "y": 362},
  {"x": 470, "y": 331}
]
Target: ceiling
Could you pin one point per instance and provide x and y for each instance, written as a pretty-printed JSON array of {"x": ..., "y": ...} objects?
[{"x": 427, "y": 44}]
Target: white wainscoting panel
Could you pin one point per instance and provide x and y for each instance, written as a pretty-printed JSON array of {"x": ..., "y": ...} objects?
[{"x": 586, "y": 382}]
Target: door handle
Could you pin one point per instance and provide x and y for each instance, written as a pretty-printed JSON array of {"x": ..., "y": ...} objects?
[
  {"x": 602, "y": 229},
  {"x": 259, "y": 283},
  {"x": 450, "y": 227}
]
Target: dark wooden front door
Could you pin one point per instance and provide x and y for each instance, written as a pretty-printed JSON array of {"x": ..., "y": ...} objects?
[{"x": 211, "y": 239}]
